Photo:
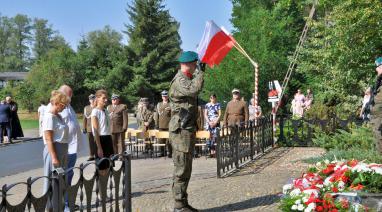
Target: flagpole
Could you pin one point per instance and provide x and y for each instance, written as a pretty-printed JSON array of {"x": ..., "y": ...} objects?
[{"x": 256, "y": 66}]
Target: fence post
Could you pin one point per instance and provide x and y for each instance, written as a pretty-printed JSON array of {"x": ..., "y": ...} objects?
[
  {"x": 127, "y": 180},
  {"x": 237, "y": 137},
  {"x": 218, "y": 148},
  {"x": 57, "y": 190},
  {"x": 262, "y": 122},
  {"x": 251, "y": 140}
]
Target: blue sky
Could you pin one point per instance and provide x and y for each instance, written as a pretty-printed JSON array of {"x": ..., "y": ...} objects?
[{"x": 74, "y": 18}]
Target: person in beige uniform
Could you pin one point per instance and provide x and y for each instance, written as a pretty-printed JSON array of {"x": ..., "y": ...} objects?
[
  {"x": 118, "y": 123},
  {"x": 236, "y": 112},
  {"x": 162, "y": 120},
  {"x": 87, "y": 125},
  {"x": 145, "y": 115}
]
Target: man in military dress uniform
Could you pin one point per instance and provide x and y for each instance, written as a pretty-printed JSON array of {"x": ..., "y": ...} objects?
[
  {"x": 163, "y": 116},
  {"x": 87, "y": 125},
  {"x": 184, "y": 89},
  {"x": 145, "y": 115},
  {"x": 119, "y": 123},
  {"x": 236, "y": 112}
]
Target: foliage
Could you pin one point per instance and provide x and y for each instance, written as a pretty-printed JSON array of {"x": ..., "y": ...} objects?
[
  {"x": 343, "y": 42},
  {"x": 154, "y": 44},
  {"x": 359, "y": 138}
]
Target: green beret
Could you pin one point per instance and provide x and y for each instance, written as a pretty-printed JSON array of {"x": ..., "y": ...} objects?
[
  {"x": 188, "y": 56},
  {"x": 378, "y": 61}
]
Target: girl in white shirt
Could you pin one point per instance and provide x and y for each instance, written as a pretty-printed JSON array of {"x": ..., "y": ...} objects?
[{"x": 101, "y": 126}]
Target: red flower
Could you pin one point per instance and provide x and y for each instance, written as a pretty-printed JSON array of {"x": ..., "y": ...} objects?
[
  {"x": 345, "y": 203},
  {"x": 319, "y": 208},
  {"x": 352, "y": 163},
  {"x": 334, "y": 189},
  {"x": 329, "y": 169},
  {"x": 334, "y": 210},
  {"x": 358, "y": 187}
]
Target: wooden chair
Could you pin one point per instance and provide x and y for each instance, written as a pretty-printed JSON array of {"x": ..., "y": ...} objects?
[
  {"x": 202, "y": 137},
  {"x": 139, "y": 138},
  {"x": 156, "y": 144}
]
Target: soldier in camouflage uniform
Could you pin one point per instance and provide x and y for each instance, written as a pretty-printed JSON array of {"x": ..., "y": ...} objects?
[{"x": 183, "y": 93}]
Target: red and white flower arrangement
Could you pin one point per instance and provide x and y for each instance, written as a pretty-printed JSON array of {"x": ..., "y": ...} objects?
[{"x": 328, "y": 186}]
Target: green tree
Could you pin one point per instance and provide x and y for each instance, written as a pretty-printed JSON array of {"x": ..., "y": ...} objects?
[
  {"x": 18, "y": 44},
  {"x": 154, "y": 44},
  {"x": 43, "y": 36},
  {"x": 338, "y": 59},
  {"x": 5, "y": 35}
]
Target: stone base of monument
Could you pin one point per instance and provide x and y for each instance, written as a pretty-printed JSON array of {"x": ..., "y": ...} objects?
[{"x": 370, "y": 200}]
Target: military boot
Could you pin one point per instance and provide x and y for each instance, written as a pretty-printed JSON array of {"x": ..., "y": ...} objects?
[{"x": 187, "y": 208}]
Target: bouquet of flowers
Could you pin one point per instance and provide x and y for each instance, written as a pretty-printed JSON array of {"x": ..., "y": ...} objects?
[{"x": 332, "y": 186}]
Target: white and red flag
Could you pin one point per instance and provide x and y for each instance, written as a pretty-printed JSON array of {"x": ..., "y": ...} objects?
[{"x": 215, "y": 44}]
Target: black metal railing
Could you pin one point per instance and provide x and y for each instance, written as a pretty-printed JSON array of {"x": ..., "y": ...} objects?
[
  {"x": 237, "y": 145},
  {"x": 104, "y": 189},
  {"x": 300, "y": 131}
]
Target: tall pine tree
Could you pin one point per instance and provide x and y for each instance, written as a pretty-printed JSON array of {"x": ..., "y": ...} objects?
[{"x": 154, "y": 44}]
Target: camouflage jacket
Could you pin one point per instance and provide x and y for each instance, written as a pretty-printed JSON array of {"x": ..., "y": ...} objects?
[{"x": 183, "y": 100}]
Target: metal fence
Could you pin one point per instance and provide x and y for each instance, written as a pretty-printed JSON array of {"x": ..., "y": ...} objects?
[
  {"x": 238, "y": 145},
  {"x": 103, "y": 191},
  {"x": 300, "y": 131}
]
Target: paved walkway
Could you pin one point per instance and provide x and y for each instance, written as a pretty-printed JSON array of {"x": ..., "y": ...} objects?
[{"x": 254, "y": 188}]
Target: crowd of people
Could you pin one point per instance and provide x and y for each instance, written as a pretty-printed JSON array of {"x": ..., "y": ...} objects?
[
  {"x": 9, "y": 120},
  {"x": 301, "y": 103}
]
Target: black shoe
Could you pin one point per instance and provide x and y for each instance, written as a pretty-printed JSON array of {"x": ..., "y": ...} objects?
[{"x": 187, "y": 208}]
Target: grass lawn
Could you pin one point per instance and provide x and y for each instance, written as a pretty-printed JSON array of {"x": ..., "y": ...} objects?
[{"x": 29, "y": 124}]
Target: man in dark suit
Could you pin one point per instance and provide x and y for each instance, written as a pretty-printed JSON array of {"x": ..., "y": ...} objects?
[
  {"x": 5, "y": 112},
  {"x": 119, "y": 123}
]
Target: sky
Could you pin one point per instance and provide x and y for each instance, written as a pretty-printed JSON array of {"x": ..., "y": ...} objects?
[{"x": 74, "y": 18}]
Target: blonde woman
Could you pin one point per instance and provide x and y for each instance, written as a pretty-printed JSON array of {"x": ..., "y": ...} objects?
[
  {"x": 101, "y": 126},
  {"x": 55, "y": 135}
]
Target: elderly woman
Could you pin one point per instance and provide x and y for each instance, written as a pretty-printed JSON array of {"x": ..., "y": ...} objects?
[
  {"x": 55, "y": 135},
  {"x": 254, "y": 111}
]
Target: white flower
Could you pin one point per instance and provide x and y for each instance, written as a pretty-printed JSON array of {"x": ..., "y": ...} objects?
[
  {"x": 361, "y": 167},
  {"x": 294, "y": 207},
  {"x": 337, "y": 167},
  {"x": 327, "y": 181},
  {"x": 305, "y": 199},
  {"x": 341, "y": 185},
  {"x": 297, "y": 202},
  {"x": 326, "y": 161},
  {"x": 377, "y": 170},
  {"x": 300, "y": 207},
  {"x": 310, "y": 207},
  {"x": 286, "y": 188},
  {"x": 318, "y": 164},
  {"x": 319, "y": 185},
  {"x": 295, "y": 192}
]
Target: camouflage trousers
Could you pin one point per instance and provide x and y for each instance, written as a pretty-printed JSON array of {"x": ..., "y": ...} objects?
[{"x": 183, "y": 143}]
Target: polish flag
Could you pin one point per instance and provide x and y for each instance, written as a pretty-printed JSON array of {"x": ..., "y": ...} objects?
[{"x": 215, "y": 44}]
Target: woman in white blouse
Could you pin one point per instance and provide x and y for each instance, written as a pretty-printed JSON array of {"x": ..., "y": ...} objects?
[{"x": 55, "y": 134}]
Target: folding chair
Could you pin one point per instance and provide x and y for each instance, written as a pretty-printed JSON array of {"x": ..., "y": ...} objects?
[
  {"x": 156, "y": 144},
  {"x": 202, "y": 136}
]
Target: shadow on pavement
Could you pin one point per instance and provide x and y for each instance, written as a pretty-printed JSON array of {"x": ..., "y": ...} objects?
[
  {"x": 261, "y": 163},
  {"x": 247, "y": 204}
]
